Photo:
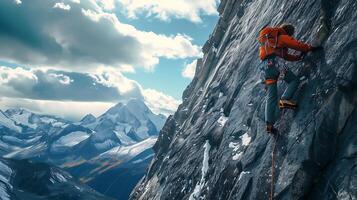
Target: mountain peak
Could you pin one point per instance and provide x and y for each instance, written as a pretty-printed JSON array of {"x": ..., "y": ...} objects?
[
  {"x": 136, "y": 107},
  {"x": 137, "y": 104},
  {"x": 88, "y": 118},
  {"x": 13, "y": 111}
]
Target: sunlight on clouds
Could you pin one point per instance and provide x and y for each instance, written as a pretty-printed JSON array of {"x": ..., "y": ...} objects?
[
  {"x": 85, "y": 36},
  {"x": 126, "y": 69},
  {"x": 189, "y": 70},
  {"x": 167, "y": 9},
  {"x": 62, "y": 6},
  {"x": 17, "y": 78},
  {"x": 16, "y": 83},
  {"x": 63, "y": 79},
  {"x": 160, "y": 102},
  {"x": 157, "y": 101},
  {"x": 9, "y": 74},
  {"x": 113, "y": 78},
  {"x": 154, "y": 45}
]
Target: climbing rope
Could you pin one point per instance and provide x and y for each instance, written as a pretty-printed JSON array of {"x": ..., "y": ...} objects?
[{"x": 273, "y": 168}]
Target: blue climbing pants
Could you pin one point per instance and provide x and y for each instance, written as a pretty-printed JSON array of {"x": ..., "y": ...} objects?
[{"x": 271, "y": 72}]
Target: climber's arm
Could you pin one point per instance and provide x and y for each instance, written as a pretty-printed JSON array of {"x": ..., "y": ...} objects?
[{"x": 290, "y": 42}]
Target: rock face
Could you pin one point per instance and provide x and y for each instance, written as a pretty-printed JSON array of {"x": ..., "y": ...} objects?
[{"x": 215, "y": 146}]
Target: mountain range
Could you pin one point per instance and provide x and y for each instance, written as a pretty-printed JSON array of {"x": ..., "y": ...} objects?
[{"x": 94, "y": 149}]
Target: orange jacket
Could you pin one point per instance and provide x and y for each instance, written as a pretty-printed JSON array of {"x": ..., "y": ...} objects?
[{"x": 284, "y": 43}]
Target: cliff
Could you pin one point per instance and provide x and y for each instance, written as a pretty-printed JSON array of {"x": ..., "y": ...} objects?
[{"x": 215, "y": 146}]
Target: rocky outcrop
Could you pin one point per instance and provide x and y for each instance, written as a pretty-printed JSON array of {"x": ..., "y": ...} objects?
[{"x": 215, "y": 146}]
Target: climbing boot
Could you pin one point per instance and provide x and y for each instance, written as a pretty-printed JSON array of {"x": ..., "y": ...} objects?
[
  {"x": 270, "y": 129},
  {"x": 287, "y": 104}
]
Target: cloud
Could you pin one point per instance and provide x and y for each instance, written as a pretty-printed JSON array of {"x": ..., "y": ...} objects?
[
  {"x": 63, "y": 79},
  {"x": 20, "y": 80},
  {"x": 112, "y": 78},
  {"x": 58, "y": 47},
  {"x": 154, "y": 45},
  {"x": 50, "y": 87},
  {"x": 75, "y": 1},
  {"x": 72, "y": 110},
  {"x": 35, "y": 34},
  {"x": 104, "y": 85},
  {"x": 160, "y": 102},
  {"x": 167, "y": 9},
  {"x": 107, "y": 4},
  {"x": 62, "y": 6},
  {"x": 189, "y": 70}
]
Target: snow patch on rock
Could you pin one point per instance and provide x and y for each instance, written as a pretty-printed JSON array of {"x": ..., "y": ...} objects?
[
  {"x": 5, "y": 175},
  {"x": 129, "y": 152},
  {"x": 71, "y": 139},
  {"x": 205, "y": 165},
  {"x": 5, "y": 121},
  {"x": 245, "y": 139},
  {"x": 243, "y": 173},
  {"x": 222, "y": 120}
]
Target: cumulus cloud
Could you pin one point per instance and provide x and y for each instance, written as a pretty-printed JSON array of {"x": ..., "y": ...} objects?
[
  {"x": 63, "y": 79},
  {"x": 160, "y": 102},
  {"x": 60, "y": 40},
  {"x": 189, "y": 70},
  {"x": 56, "y": 88},
  {"x": 62, "y": 6},
  {"x": 84, "y": 37},
  {"x": 75, "y": 1},
  {"x": 112, "y": 78},
  {"x": 167, "y": 9},
  {"x": 154, "y": 45},
  {"x": 103, "y": 85},
  {"x": 20, "y": 80}
]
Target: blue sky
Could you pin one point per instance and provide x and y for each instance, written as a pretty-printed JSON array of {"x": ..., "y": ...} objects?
[
  {"x": 167, "y": 75},
  {"x": 73, "y": 57}
]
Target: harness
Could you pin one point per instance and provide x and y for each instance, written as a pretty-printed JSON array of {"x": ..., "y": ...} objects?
[
  {"x": 270, "y": 81},
  {"x": 270, "y": 62}
]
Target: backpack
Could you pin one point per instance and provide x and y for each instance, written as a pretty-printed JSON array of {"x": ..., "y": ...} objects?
[{"x": 269, "y": 36}]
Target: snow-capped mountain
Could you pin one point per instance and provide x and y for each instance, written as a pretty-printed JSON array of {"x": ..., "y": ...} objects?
[
  {"x": 125, "y": 133},
  {"x": 28, "y": 120},
  {"x": 25, "y": 134},
  {"x": 123, "y": 124}
]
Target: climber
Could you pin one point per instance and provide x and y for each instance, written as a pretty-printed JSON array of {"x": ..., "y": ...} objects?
[{"x": 275, "y": 43}]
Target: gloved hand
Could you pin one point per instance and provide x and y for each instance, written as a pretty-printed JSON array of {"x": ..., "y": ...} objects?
[{"x": 317, "y": 48}]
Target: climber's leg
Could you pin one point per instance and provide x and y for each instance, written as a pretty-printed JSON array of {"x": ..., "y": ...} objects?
[
  {"x": 271, "y": 104},
  {"x": 293, "y": 84}
]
